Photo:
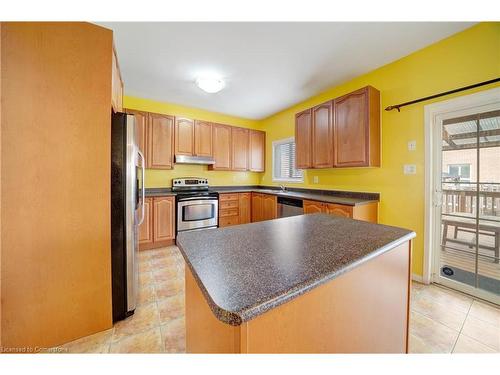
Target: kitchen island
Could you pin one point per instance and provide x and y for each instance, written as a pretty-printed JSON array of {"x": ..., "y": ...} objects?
[{"x": 304, "y": 284}]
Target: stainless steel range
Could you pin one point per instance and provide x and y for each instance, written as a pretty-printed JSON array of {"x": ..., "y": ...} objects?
[{"x": 197, "y": 206}]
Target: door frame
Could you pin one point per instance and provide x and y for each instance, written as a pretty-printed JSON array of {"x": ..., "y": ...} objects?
[{"x": 433, "y": 113}]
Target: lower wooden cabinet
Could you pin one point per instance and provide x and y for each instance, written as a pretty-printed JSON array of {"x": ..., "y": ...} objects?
[
  {"x": 158, "y": 227},
  {"x": 234, "y": 209},
  {"x": 366, "y": 212},
  {"x": 245, "y": 201},
  {"x": 264, "y": 207}
]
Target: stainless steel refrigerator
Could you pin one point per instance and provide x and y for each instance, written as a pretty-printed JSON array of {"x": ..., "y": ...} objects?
[{"x": 127, "y": 213}]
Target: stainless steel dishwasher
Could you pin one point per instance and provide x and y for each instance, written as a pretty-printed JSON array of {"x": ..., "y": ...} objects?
[{"x": 290, "y": 207}]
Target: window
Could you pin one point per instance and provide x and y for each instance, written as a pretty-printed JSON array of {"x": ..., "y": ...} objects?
[
  {"x": 284, "y": 162},
  {"x": 460, "y": 171}
]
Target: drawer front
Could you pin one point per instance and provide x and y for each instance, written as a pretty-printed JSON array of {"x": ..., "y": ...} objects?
[
  {"x": 228, "y": 197},
  {"x": 228, "y": 204},
  {"x": 228, "y": 221},
  {"x": 229, "y": 212}
]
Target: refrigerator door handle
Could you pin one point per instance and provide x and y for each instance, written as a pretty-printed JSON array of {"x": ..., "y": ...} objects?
[{"x": 143, "y": 188}]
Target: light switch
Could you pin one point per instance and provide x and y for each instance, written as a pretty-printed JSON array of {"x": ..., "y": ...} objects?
[
  {"x": 315, "y": 179},
  {"x": 412, "y": 145},
  {"x": 410, "y": 169}
]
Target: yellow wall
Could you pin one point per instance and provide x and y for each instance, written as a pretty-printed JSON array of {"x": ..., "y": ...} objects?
[
  {"x": 162, "y": 178},
  {"x": 465, "y": 58}
]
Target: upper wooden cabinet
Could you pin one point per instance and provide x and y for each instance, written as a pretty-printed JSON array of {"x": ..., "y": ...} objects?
[
  {"x": 221, "y": 138},
  {"x": 357, "y": 129},
  {"x": 344, "y": 132},
  {"x": 202, "y": 138},
  {"x": 160, "y": 141},
  {"x": 116, "y": 85},
  {"x": 256, "y": 149},
  {"x": 303, "y": 139},
  {"x": 239, "y": 149},
  {"x": 322, "y": 136},
  {"x": 184, "y": 136}
]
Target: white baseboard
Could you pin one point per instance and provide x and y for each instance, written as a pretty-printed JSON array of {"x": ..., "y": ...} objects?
[{"x": 416, "y": 277}]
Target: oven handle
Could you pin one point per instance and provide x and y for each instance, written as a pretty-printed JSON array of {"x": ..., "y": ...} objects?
[{"x": 197, "y": 199}]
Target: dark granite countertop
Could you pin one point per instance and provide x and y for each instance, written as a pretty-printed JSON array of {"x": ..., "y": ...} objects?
[
  {"x": 246, "y": 270},
  {"x": 329, "y": 196}
]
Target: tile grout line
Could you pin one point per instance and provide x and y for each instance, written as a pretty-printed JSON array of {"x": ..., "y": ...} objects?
[{"x": 462, "y": 327}]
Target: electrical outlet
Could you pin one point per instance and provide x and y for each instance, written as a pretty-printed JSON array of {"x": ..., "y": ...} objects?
[
  {"x": 412, "y": 145},
  {"x": 315, "y": 180},
  {"x": 410, "y": 169}
]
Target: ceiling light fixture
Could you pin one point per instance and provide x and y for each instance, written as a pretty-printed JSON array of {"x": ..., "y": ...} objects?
[{"x": 210, "y": 85}]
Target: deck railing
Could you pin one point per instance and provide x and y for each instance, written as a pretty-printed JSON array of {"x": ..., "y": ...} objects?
[{"x": 462, "y": 197}]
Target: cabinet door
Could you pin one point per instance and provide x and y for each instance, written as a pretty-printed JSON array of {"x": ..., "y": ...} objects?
[
  {"x": 312, "y": 207},
  {"x": 160, "y": 141},
  {"x": 322, "y": 137},
  {"x": 303, "y": 139},
  {"x": 269, "y": 207},
  {"x": 256, "y": 207},
  {"x": 239, "y": 149},
  {"x": 146, "y": 228},
  {"x": 257, "y": 145},
  {"x": 221, "y": 138},
  {"x": 245, "y": 208},
  {"x": 141, "y": 131},
  {"x": 164, "y": 212},
  {"x": 202, "y": 138},
  {"x": 338, "y": 209},
  {"x": 184, "y": 136},
  {"x": 356, "y": 131}
]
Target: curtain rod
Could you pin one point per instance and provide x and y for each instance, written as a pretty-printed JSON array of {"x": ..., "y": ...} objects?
[{"x": 398, "y": 106}]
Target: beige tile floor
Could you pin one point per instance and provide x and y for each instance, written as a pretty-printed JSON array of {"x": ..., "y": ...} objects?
[
  {"x": 445, "y": 321},
  {"x": 441, "y": 321}
]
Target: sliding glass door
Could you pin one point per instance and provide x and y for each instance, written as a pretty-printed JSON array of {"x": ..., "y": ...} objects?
[{"x": 467, "y": 256}]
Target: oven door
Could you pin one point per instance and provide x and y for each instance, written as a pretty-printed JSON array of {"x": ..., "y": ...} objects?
[{"x": 195, "y": 213}]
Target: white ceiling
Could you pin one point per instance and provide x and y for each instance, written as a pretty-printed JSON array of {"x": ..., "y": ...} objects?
[{"x": 267, "y": 66}]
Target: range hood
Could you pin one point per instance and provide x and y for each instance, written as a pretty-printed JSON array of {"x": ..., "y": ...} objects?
[{"x": 185, "y": 159}]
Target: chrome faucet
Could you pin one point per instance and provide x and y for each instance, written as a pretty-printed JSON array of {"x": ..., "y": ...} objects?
[{"x": 283, "y": 187}]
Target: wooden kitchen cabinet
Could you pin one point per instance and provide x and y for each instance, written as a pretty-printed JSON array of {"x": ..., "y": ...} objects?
[
  {"x": 257, "y": 148},
  {"x": 239, "y": 149},
  {"x": 264, "y": 207},
  {"x": 303, "y": 139},
  {"x": 245, "y": 206},
  {"x": 160, "y": 141},
  {"x": 339, "y": 209},
  {"x": 203, "y": 138},
  {"x": 146, "y": 228},
  {"x": 164, "y": 213},
  {"x": 158, "y": 227},
  {"x": 116, "y": 84},
  {"x": 357, "y": 129},
  {"x": 184, "y": 136},
  {"x": 322, "y": 136},
  {"x": 221, "y": 138},
  {"x": 366, "y": 212},
  {"x": 234, "y": 208},
  {"x": 344, "y": 132},
  {"x": 312, "y": 207}
]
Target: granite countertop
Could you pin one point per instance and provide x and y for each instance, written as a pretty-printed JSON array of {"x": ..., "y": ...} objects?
[
  {"x": 329, "y": 196},
  {"x": 246, "y": 270}
]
